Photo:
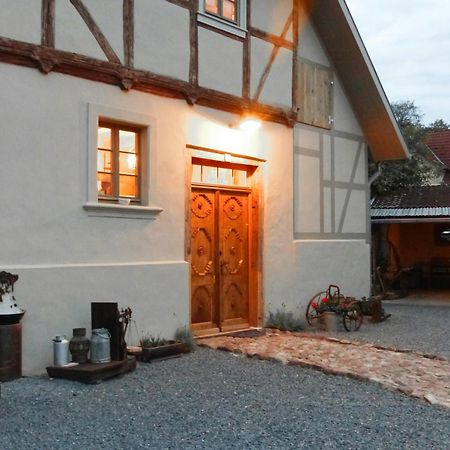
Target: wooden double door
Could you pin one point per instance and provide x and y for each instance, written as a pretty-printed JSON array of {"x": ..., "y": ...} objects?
[{"x": 219, "y": 259}]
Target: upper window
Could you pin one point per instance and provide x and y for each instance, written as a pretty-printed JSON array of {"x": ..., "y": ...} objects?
[
  {"x": 226, "y": 9},
  {"x": 118, "y": 162},
  {"x": 226, "y": 15}
]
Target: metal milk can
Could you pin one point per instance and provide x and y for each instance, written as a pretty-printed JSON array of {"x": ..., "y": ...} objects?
[
  {"x": 60, "y": 351},
  {"x": 100, "y": 346}
]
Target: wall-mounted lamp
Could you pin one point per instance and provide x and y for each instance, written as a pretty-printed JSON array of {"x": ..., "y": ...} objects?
[{"x": 247, "y": 123}]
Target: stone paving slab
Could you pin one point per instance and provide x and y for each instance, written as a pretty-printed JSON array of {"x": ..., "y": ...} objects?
[{"x": 418, "y": 375}]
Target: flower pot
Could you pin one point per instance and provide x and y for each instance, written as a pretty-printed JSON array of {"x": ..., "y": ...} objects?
[{"x": 170, "y": 349}]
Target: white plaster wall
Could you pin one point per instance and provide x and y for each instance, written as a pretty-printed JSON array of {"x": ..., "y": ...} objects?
[
  {"x": 311, "y": 48},
  {"x": 62, "y": 255},
  {"x": 271, "y": 16},
  {"x": 72, "y": 33},
  {"x": 319, "y": 263},
  {"x": 108, "y": 15},
  {"x": 162, "y": 38},
  {"x": 220, "y": 62},
  {"x": 57, "y": 299},
  {"x": 21, "y": 20},
  {"x": 277, "y": 89},
  {"x": 308, "y": 186}
]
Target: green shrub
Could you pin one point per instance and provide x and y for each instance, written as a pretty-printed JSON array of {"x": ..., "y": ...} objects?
[
  {"x": 284, "y": 320},
  {"x": 184, "y": 334}
]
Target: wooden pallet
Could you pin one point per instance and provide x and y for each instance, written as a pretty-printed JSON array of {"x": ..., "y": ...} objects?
[{"x": 93, "y": 373}]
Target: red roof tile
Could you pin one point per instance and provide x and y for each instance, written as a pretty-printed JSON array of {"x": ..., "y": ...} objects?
[{"x": 439, "y": 143}]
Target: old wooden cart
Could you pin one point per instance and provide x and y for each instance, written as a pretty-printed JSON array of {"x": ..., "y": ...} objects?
[{"x": 332, "y": 301}]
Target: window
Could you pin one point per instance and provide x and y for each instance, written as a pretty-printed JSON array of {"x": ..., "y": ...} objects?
[
  {"x": 121, "y": 164},
  {"x": 202, "y": 173},
  {"x": 118, "y": 162},
  {"x": 226, "y": 9},
  {"x": 226, "y": 15}
]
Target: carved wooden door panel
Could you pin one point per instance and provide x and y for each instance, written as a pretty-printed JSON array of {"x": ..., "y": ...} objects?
[
  {"x": 233, "y": 260},
  {"x": 204, "y": 312},
  {"x": 219, "y": 260}
]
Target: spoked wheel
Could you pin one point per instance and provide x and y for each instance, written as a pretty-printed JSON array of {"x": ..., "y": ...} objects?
[
  {"x": 313, "y": 310},
  {"x": 352, "y": 317}
]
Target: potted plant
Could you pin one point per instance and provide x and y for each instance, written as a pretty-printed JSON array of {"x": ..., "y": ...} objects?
[{"x": 155, "y": 347}]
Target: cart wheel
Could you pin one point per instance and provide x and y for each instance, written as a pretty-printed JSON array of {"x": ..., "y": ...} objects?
[
  {"x": 314, "y": 310},
  {"x": 352, "y": 317}
]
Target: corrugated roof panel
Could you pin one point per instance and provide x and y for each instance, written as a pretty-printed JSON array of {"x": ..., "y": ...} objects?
[{"x": 410, "y": 212}]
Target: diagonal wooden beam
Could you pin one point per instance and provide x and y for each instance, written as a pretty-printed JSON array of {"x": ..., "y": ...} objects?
[
  {"x": 272, "y": 58},
  {"x": 95, "y": 30},
  {"x": 48, "y": 23},
  {"x": 128, "y": 32}
]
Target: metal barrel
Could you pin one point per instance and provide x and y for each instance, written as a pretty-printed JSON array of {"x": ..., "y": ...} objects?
[
  {"x": 10, "y": 352},
  {"x": 100, "y": 346},
  {"x": 60, "y": 351}
]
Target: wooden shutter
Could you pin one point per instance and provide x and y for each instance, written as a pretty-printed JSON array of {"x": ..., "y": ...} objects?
[{"x": 314, "y": 95}]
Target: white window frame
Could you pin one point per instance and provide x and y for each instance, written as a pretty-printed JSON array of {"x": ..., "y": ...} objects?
[
  {"x": 239, "y": 29},
  {"x": 147, "y": 135}
]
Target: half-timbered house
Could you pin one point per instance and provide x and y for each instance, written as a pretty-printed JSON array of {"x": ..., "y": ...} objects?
[{"x": 201, "y": 161}]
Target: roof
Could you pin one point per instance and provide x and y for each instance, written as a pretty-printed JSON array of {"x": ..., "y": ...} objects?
[
  {"x": 422, "y": 203},
  {"x": 336, "y": 28},
  {"x": 439, "y": 143}
]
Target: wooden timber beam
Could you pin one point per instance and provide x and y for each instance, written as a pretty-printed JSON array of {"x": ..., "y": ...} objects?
[
  {"x": 246, "y": 60},
  {"x": 295, "y": 52},
  {"x": 272, "y": 58},
  {"x": 278, "y": 41},
  {"x": 95, "y": 30},
  {"x": 48, "y": 23},
  {"x": 193, "y": 45},
  {"x": 31, "y": 55},
  {"x": 128, "y": 32}
]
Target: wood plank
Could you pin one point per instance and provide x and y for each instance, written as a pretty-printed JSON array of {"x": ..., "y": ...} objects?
[
  {"x": 48, "y": 23},
  {"x": 31, "y": 55},
  {"x": 128, "y": 32},
  {"x": 96, "y": 32},
  {"x": 272, "y": 38},
  {"x": 188, "y": 4}
]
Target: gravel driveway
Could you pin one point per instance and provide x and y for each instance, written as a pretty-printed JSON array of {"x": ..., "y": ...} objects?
[
  {"x": 424, "y": 328},
  {"x": 215, "y": 400}
]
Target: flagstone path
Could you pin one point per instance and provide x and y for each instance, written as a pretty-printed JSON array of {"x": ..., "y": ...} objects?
[{"x": 415, "y": 374}]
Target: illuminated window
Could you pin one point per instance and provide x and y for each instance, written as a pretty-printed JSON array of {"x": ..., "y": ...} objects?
[
  {"x": 219, "y": 175},
  {"x": 118, "y": 161},
  {"x": 227, "y": 15},
  {"x": 226, "y": 9}
]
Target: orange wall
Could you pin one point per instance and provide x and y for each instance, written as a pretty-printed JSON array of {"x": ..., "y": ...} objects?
[{"x": 415, "y": 243}]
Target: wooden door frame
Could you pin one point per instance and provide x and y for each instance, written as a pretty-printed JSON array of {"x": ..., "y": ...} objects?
[{"x": 256, "y": 215}]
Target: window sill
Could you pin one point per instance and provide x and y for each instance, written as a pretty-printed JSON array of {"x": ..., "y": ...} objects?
[
  {"x": 222, "y": 25},
  {"x": 122, "y": 211}
]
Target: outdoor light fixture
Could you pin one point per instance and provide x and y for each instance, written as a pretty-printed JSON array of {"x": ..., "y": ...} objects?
[
  {"x": 247, "y": 123},
  {"x": 446, "y": 235}
]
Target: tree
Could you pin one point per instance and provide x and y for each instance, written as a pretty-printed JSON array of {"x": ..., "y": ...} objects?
[
  {"x": 420, "y": 168},
  {"x": 438, "y": 125}
]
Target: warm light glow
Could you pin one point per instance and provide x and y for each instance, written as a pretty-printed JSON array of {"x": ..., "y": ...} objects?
[
  {"x": 249, "y": 124},
  {"x": 131, "y": 161}
]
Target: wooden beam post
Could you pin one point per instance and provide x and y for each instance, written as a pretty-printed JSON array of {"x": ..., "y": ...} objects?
[
  {"x": 193, "y": 41},
  {"x": 48, "y": 23},
  {"x": 246, "y": 63},
  {"x": 128, "y": 32},
  {"x": 295, "y": 35}
]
